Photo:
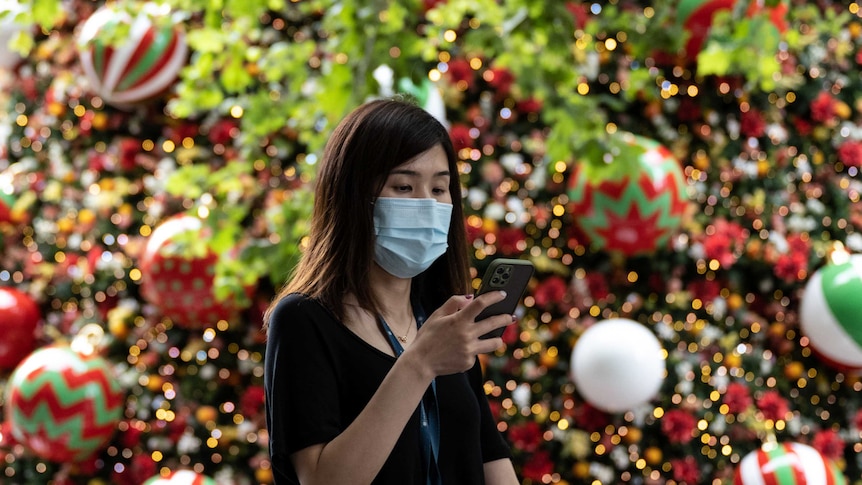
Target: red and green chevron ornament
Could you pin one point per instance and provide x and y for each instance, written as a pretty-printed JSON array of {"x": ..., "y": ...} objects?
[
  {"x": 787, "y": 464},
  {"x": 63, "y": 406},
  {"x": 127, "y": 60},
  {"x": 181, "y": 477},
  {"x": 632, "y": 199}
]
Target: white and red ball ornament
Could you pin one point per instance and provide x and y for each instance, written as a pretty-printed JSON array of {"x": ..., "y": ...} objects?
[
  {"x": 787, "y": 464},
  {"x": 138, "y": 66},
  {"x": 63, "y": 403},
  {"x": 617, "y": 365},
  {"x": 630, "y": 198},
  {"x": 830, "y": 313},
  {"x": 178, "y": 278},
  {"x": 180, "y": 477},
  {"x": 19, "y": 319}
]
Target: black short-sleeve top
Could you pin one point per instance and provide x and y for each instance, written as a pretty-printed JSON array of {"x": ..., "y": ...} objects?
[{"x": 319, "y": 376}]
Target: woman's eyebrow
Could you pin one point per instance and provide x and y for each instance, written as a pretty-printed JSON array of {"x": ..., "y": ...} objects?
[{"x": 414, "y": 173}]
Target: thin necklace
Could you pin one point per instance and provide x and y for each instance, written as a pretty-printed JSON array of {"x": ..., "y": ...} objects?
[{"x": 403, "y": 339}]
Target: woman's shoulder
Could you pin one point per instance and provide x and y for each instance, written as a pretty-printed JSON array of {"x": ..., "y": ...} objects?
[{"x": 296, "y": 309}]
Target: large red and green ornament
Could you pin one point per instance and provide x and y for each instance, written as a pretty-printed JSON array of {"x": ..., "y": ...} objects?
[
  {"x": 63, "y": 405},
  {"x": 19, "y": 318},
  {"x": 181, "y": 477},
  {"x": 831, "y": 312},
  {"x": 695, "y": 17},
  {"x": 131, "y": 56},
  {"x": 629, "y": 196},
  {"x": 178, "y": 274},
  {"x": 787, "y": 464}
]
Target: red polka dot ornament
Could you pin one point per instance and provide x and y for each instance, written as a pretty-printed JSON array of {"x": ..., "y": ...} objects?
[{"x": 178, "y": 274}]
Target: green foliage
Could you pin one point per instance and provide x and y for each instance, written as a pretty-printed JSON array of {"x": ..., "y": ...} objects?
[
  {"x": 237, "y": 138},
  {"x": 744, "y": 46}
]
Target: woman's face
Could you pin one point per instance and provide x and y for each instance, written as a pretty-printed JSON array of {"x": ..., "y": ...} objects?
[{"x": 426, "y": 176}]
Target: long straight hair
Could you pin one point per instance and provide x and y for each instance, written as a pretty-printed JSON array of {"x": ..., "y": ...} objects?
[{"x": 364, "y": 148}]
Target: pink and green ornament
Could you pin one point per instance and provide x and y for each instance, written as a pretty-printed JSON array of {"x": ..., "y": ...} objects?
[
  {"x": 787, "y": 464},
  {"x": 180, "y": 477},
  {"x": 62, "y": 405},
  {"x": 831, "y": 312},
  {"x": 628, "y": 197},
  {"x": 129, "y": 57}
]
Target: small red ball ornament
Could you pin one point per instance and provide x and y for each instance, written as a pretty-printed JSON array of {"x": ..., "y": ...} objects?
[
  {"x": 178, "y": 272},
  {"x": 19, "y": 317}
]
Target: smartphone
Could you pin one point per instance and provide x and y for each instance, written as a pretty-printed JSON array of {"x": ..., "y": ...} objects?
[{"x": 511, "y": 276}]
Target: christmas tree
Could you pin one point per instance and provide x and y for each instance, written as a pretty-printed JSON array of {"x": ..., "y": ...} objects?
[{"x": 684, "y": 175}]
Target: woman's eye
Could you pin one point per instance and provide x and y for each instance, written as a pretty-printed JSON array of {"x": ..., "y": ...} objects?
[
  {"x": 402, "y": 188},
  {"x": 440, "y": 191}
]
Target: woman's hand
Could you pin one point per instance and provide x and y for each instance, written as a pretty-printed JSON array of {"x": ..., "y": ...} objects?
[{"x": 448, "y": 341}]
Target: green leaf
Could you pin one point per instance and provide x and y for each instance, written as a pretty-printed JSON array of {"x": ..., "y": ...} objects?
[
  {"x": 47, "y": 13},
  {"x": 713, "y": 60},
  {"x": 206, "y": 40},
  {"x": 235, "y": 76}
]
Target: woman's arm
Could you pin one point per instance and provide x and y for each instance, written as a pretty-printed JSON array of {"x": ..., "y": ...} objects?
[
  {"x": 358, "y": 453},
  {"x": 500, "y": 472}
]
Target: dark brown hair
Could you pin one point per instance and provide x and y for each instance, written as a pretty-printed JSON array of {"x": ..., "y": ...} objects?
[{"x": 368, "y": 143}]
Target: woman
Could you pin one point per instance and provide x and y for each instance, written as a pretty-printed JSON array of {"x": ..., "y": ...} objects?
[{"x": 371, "y": 366}]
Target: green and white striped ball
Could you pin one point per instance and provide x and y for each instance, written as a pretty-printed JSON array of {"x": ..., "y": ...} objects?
[{"x": 831, "y": 313}]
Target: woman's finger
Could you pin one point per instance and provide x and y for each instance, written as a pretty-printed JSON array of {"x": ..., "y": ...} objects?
[{"x": 492, "y": 323}]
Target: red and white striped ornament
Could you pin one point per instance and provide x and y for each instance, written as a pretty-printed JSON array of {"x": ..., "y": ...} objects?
[
  {"x": 140, "y": 66},
  {"x": 180, "y": 477},
  {"x": 787, "y": 464}
]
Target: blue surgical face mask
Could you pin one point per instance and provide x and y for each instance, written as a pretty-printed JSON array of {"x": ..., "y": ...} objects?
[{"x": 411, "y": 234}]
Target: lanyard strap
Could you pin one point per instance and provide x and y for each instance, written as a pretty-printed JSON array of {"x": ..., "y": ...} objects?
[{"x": 429, "y": 419}]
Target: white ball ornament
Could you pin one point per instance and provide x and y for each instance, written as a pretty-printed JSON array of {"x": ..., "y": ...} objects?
[
  {"x": 831, "y": 313},
  {"x": 617, "y": 365}
]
